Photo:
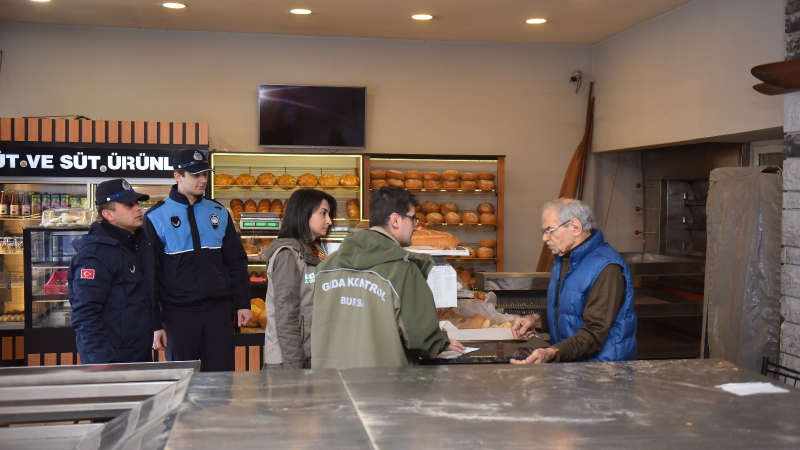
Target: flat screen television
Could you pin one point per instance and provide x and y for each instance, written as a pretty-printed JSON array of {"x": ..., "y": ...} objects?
[{"x": 312, "y": 116}]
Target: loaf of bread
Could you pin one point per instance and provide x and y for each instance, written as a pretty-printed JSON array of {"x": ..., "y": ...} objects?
[
  {"x": 266, "y": 179},
  {"x": 486, "y": 184},
  {"x": 489, "y": 243},
  {"x": 452, "y": 217},
  {"x": 485, "y": 176},
  {"x": 223, "y": 180},
  {"x": 263, "y": 208},
  {"x": 447, "y": 207},
  {"x": 264, "y": 201},
  {"x": 414, "y": 175},
  {"x": 348, "y": 179},
  {"x": 430, "y": 207},
  {"x": 237, "y": 213},
  {"x": 262, "y": 319},
  {"x": 469, "y": 176},
  {"x": 413, "y": 183},
  {"x": 488, "y": 219},
  {"x": 468, "y": 185},
  {"x": 286, "y": 180},
  {"x": 396, "y": 182},
  {"x": 245, "y": 179},
  {"x": 470, "y": 250},
  {"x": 436, "y": 239},
  {"x": 450, "y": 184},
  {"x": 250, "y": 249},
  {"x": 422, "y": 218},
  {"x": 395, "y": 174},
  {"x": 377, "y": 184},
  {"x": 328, "y": 180},
  {"x": 236, "y": 202},
  {"x": 377, "y": 175},
  {"x": 276, "y": 206},
  {"x": 307, "y": 179},
  {"x": 431, "y": 184},
  {"x": 250, "y": 206},
  {"x": 484, "y": 252},
  {"x": 450, "y": 175},
  {"x": 353, "y": 211},
  {"x": 433, "y": 176},
  {"x": 486, "y": 208},
  {"x": 469, "y": 217},
  {"x": 473, "y": 323},
  {"x": 434, "y": 217}
]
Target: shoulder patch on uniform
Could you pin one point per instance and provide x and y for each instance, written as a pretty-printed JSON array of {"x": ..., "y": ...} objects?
[{"x": 87, "y": 274}]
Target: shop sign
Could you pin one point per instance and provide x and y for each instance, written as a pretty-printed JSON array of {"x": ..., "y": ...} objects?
[{"x": 85, "y": 162}]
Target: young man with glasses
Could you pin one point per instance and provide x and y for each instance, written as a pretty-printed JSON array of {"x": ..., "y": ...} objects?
[
  {"x": 200, "y": 270},
  {"x": 372, "y": 305},
  {"x": 112, "y": 311},
  {"x": 590, "y": 298}
]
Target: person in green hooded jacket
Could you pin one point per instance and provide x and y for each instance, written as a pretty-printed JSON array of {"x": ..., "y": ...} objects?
[{"x": 372, "y": 304}]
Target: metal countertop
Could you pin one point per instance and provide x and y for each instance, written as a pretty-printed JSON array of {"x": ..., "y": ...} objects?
[{"x": 639, "y": 404}]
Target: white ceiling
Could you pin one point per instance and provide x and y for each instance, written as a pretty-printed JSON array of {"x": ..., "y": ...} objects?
[{"x": 575, "y": 22}]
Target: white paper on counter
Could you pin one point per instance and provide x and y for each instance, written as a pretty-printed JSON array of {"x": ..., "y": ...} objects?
[
  {"x": 442, "y": 281},
  {"x": 752, "y": 388},
  {"x": 450, "y": 354}
]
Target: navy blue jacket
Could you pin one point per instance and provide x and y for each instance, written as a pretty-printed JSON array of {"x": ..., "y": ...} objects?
[
  {"x": 111, "y": 309},
  {"x": 586, "y": 262},
  {"x": 198, "y": 259}
]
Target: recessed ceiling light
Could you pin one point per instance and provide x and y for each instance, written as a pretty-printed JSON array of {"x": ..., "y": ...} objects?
[
  {"x": 422, "y": 17},
  {"x": 536, "y": 21},
  {"x": 300, "y": 11},
  {"x": 172, "y": 5}
]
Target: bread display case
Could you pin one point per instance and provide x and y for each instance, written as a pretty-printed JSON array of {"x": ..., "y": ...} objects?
[{"x": 461, "y": 195}]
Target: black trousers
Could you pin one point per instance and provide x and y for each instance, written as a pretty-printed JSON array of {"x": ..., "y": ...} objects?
[{"x": 204, "y": 335}]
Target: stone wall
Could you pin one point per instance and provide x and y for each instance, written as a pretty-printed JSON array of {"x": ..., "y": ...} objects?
[{"x": 790, "y": 259}]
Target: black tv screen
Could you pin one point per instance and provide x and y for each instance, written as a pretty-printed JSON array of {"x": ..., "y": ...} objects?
[{"x": 311, "y": 116}]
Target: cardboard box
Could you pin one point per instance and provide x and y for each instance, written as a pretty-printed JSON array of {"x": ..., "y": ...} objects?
[{"x": 482, "y": 334}]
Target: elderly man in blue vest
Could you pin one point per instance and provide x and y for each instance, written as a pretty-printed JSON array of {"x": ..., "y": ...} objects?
[{"x": 590, "y": 298}]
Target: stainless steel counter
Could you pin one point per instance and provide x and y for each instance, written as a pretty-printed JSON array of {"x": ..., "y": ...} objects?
[{"x": 641, "y": 404}]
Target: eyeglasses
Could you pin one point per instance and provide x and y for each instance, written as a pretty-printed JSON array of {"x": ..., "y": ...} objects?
[
  {"x": 414, "y": 219},
  {"x": 547, "y": 231}
]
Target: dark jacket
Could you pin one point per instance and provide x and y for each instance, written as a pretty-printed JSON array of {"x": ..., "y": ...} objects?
[
  {"x": 586, "y": 262},
  {"x": 198, "y": 259},
  {"x": 111, "y": 309}
]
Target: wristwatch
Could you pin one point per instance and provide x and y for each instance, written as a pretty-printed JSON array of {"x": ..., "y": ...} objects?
[{"x": 558, "y": 354}]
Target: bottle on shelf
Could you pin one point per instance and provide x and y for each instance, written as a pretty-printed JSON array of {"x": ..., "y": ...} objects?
[
  {"x": 25, "y": 208},
  {"x": 3, "y": 203},
  {"x": 13, "y": 209},
  {"x": 36, "y": 203}
]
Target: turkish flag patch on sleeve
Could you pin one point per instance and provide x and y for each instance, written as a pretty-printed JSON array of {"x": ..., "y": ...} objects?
[{"x": 87, "y": 273}]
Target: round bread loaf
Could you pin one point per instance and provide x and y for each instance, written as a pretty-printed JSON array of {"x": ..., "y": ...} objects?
[
  {"x": 447, "y": 207},
  {"x": 470, "y": 250},
  {"x": 307, "y": 179},
  {"x": 395, "y": 174},
  {"x": 452, "y": 217},
  {"x": 486, "y": 184},
  {"x": 276, "y": 206},
  {"x": 488, "y": 243},
  {"x": 450, "y": 175},
  {"x": 235, "y": 202},
  {"x": 450, "y": 184},
  {"x": 348, "y": 179},
  {"x": 469, "y": 176},
  {"x": 484, "y": 252},
  {"x": 245, "y": 179},
  {"x": 432, "y": 184},
  {"x": 468, "y": 185},
  {"x": 435, "y": 176},
  {"x": 413, "y": 183},
  {"x": 414, "y": 175},
  {"x": 266, "y": 179},
  {"x": 250, "y": 206},
  {"x": 418, "y": 208},
  {"x": 286, "y": 180},
  {"x": 469, "y": 217},
  {"x": 486, "y": 208},
  {"x": 434, "y": 217},
  {"x": 488, "y": 219},
  {"x": 328, "y": 180},
  {"x": 396, "y": 182},
  {"x": 485, "y": 176},
  {"x": 224, "y": 180},
  {"x": 377, "y": 184},
  {"x": 377, "y": 175},
  {"x": 430, "y": 207},
  {"x": 422, "y": 217}
]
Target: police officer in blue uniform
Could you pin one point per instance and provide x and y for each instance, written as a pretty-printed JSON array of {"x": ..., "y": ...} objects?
[
  {"x": 111, "y": 309},
  {"x": 200, "y": 270}
]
